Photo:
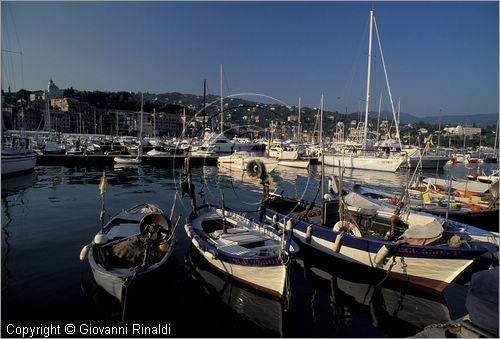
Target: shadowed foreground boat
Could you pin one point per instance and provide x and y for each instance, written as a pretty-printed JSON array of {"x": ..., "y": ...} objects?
[
  {"x": 135, "y": 242},
  {"x": 246, "y": 250}
]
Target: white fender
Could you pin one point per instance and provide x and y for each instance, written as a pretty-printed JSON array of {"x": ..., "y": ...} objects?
[
  {"x": 188, "y": 231},
  {"x": 100, "y": 239},
  {"x": 209, "y": 255},
  {"x": 309, "y": 232},
  {"x": 196, "y": 243},
  {"x": 381, "y": 255},
  {"x": 348, "y": 227},
  {"x": 275, "y": 220},
  {"x": 84, "y": 251},
  {"x": 338, "y": 242}
]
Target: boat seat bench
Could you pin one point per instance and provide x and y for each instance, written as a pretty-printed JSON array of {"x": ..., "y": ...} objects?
[{"x": 123, "y": 230}]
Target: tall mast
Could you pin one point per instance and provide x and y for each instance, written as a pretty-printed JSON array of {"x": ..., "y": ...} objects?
[
  {"x": 140, "y": 131},
  {"x": 183, "y": 122},
  {"x": 154, "y": 122},
  {"x": 323, "y": 207},
  {"x": 496, "y": 139},
  {"x": 378, "y": 116},
  {"x": 298, "y": 127},
  {"x": 367, "y": 103},
  {"x": 47, "y": 107},
  {"x": 142, "y": 112},
  {"x": 204, "y": 106},
  {"x": 221, "y": 103}
]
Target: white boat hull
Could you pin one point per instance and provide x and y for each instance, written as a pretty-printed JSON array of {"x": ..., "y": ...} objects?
[
  {"x": 126, "y": 160},
  {"x": 17, "y": 163},
  {"x": 364, "y": 162},
  {"x": 240, "y": 164},
  {"x": 269, "y": 279},
  {"x": 294, "y": 163},
  {"x": 415, "y": 270},
  {"x": 266, "y": 272}
]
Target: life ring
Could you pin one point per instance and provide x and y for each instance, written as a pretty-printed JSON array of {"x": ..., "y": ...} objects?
[{"x": 348, "y": 227}]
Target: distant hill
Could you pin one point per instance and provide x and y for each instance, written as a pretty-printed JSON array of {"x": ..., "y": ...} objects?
[{"x": 481, "y": 120}]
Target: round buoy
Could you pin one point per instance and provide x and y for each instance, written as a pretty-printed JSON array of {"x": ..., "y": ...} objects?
[
  {"x": 100, "y": 239},
  {"x": 348, "y": 227}
]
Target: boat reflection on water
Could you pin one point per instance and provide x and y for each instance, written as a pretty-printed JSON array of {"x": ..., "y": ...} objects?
[
  {"x": 263, "y": 314},
  {"x": 13, "y": 189},
  {"x": 17, "y": 184},
  {"x": 236, "y": 178},
  {"x": 149, "y": 300},
  {"x": 388, "y": 306}
]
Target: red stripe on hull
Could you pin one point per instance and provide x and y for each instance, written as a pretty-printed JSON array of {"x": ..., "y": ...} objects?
[{"x": 421, "y": 283}]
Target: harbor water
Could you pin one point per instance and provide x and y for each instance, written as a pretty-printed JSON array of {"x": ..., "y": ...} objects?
[{"x": 48, "y": 215}]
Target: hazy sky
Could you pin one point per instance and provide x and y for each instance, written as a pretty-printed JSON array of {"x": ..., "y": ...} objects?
[{"x": 441, "y": 56}]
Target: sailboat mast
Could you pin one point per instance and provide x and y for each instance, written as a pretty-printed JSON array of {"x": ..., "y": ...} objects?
[
  {"x": 183, "y": 122},
  {"x": 496, "y": 139},
  {"x": 204, "y": 107},
  {"x": 221, "y": 103},
  {"x": 322, "y": 148},
  {"x": 298, "y": 127},
  {"x": 378, "y": 116},
  {"x": 142, "y": 112},
  {"x": 367, "y": 103}
]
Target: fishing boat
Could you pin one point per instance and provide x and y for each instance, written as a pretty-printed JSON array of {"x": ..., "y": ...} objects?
[
  {"x": 127, "y": 160},
  {"x": 246, "y": 161},
  {"x": 463, "y": 188},
  {"x": 136, "y": 242},
  {"x": 413, "y": 247},
  {"x": 487, "y": 179},
  {"x": 17, "y": 157},
  {"x": 244, "y": 249},
  {"x": 467, "y": 212}
]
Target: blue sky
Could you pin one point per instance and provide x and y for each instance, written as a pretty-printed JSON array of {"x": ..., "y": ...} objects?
[{"x": 441, "y": 56}]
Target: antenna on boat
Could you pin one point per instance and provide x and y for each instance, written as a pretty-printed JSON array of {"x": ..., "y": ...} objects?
[
  {"x": 448, "y": 204},
  {"x": 323, "y": 206},
  {"x": 224, "y": 228}
]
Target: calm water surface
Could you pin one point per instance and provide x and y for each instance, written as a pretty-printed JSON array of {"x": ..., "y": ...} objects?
[{"x": 48, "y": 215}]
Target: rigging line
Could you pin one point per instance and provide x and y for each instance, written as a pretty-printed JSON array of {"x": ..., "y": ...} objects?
[
  {"x": 10, "y": 51},
  {"x": 387, "y": 81},
  {"x": 356, "y": 60},
  {"x": 15, "y": 29}
]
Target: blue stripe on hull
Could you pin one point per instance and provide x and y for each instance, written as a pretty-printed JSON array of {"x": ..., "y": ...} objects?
[{"x": 374, "y": 245}]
